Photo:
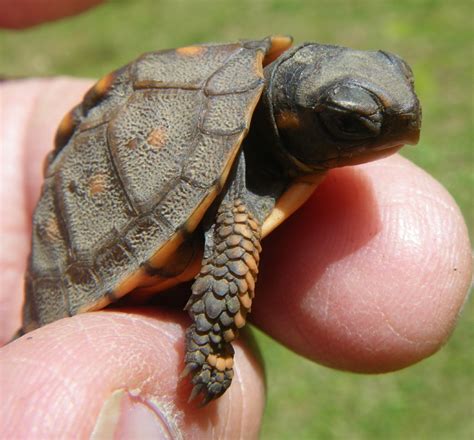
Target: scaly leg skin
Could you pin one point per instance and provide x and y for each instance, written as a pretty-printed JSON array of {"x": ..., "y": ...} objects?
[{"x": 221, "y": 298}]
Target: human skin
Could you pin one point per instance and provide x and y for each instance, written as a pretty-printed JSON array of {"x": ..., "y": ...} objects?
[
  {"x": 368, "y": 276},
  {"x": 18, "y": 14}
]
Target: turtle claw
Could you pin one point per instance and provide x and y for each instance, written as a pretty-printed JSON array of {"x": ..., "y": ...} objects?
[
  {"x": 207, "y": 395},
  {"x": 196, "y": 390},
  {"x": 188, "y": 369},
  {"x": 208, "y": 380}
]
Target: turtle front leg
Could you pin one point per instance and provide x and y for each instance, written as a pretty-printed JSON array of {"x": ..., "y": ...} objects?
[{"x": 221, "y": 298}]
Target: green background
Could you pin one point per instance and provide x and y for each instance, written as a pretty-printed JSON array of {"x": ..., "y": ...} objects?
[{"x": 432, "y": 400}]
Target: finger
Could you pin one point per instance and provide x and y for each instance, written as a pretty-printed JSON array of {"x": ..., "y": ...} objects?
[
  {"x": 23, "y": 13},
  {"x": 32, "y": 111},
  {"x": 116, "y": 375},
  {"x": 371, "y": 273}
]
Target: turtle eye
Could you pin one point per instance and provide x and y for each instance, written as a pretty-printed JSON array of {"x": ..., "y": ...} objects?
[
  {"x": 349, "y": 126},
  {"x": 349, "y": 112}
]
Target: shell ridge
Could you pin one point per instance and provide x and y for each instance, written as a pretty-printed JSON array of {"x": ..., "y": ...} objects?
[{"x": 113, "y": 162}]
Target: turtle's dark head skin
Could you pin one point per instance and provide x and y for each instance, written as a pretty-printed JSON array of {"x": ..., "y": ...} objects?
[{"x": 334, "y": 106}]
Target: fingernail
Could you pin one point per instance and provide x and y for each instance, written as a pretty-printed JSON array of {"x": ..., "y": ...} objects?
[{"x": 127, "y": 415}]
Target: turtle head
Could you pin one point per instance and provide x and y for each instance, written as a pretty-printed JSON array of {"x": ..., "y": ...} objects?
[{"x": 334, "y": 106}]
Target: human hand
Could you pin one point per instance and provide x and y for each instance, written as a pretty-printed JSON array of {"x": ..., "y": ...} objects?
[
  {"x": 17, "y": 14},
  {"x": 368, "y": 276}
]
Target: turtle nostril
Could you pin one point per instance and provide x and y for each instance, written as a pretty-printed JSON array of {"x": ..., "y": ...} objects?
[{"x": 411, "y": 124}]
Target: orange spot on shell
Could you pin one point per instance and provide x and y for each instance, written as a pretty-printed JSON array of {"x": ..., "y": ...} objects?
[
  {"x": 97, "y": 184},
  {"x": 190, "y": 51},
  {"x": 157, "y": 137},
  {"x": 132, "y": 144}
]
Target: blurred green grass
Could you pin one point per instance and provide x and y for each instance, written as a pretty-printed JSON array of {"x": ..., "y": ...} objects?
[{"x": 432, "y": 400}]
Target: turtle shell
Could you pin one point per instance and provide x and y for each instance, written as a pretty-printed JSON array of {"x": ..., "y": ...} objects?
[{"x": 135, "y": 167}]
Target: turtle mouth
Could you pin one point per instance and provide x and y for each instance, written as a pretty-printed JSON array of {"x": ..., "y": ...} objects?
[
  {"x": 369, "y": 153},
  {"x": 348, "y": 158}
]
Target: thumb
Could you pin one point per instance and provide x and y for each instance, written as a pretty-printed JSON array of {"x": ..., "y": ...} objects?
[{"x": 110, "y": 374}]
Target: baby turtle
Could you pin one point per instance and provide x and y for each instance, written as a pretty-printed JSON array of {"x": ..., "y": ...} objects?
[{"x": 178, "y": 164}]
